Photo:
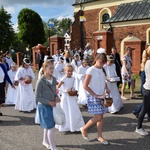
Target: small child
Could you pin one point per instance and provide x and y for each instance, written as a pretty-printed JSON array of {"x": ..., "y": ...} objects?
[
  {"x": 74, "y": 119},
  {"x": 82, "y": 98},
  {"x": 25, "y": 95},
  {"x": 12, "y": 92},
  {"x": 59, "y": 68},
  {"x": 111, "y": 74},
  {"x": 76, "y": 63},
  {"x": 47, "y": 98}
]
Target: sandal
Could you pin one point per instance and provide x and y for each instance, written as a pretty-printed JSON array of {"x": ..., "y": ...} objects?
[
  {"x": 83, "y": 135},
  {"x": 124, "y": 98},
  {"x": 133, "y": 97}
]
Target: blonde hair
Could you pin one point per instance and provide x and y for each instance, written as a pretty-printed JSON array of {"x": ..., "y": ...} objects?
[
  {"x": 68, "y": 66},
  {"x": 45, "y": 65}
]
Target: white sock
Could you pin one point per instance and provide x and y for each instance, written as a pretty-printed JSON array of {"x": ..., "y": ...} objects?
[
  {"x": 45, "y": 139},
  {"x": 51, "y": 138}
]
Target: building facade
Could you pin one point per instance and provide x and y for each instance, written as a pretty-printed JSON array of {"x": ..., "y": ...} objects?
[
  {"x": 110, "y": 23},
  {"x": 67, "y": 40}
]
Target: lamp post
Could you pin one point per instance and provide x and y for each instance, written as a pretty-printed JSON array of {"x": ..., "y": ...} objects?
[
  {"x": 50, "y": 24},
  {"x": 82, "y": 19}
]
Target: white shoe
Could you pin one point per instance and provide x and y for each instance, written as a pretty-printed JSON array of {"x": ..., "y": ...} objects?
[
  {"x": 103, "y": 142},
  {"x": 141, "y": 131},
  {"x": 46, "y": 145}
]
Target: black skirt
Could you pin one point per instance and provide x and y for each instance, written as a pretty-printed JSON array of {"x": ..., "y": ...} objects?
[{"x": 2, "y": 93}]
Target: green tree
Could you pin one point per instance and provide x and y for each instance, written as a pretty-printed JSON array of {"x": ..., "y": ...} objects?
[
  {"x": 60, "y": 27},
  {"x": 64, "y": 25},
  {"x": 18, "y": 45},
  {"x": 6, "y": 30},
  {"x": 31, "y": 28},
  {"x": 50, "y": 31}
]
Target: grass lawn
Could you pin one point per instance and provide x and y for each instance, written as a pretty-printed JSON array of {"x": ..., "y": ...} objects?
[{"x": 137, "y": 86}]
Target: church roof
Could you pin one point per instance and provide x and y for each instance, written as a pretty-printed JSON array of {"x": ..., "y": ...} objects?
[
  {"x": 131, "y": 11},
  {"x": 83, "y": 1}
]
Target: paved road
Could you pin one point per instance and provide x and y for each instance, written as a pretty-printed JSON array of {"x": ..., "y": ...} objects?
[{"x": 19, "y": 132}]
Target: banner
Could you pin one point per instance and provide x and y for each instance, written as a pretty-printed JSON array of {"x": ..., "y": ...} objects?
[{"x": 82, "y": 18}]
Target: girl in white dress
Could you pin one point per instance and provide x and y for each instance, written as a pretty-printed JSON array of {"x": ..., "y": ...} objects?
[
  {"x": 111, "y": 74},
  {"x": 59, "y": 68},
  {"x": 25, "y": 95},
  {"x": 11, "y": 95},
  {"x": 74, "y": 119},
  {"x": 82, "y": 98},
  {"x": 76, "y": 63}
]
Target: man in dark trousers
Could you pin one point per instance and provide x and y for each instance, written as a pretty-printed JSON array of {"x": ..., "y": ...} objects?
[
  {"x": 40, "y": 58},
  {"x": 117, "y": 63}
]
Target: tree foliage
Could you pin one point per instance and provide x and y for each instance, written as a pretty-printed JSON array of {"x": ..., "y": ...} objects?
[
  {"x": 60, "y": 27},
  {"x": 31, "y": 28},
  {"x": 64, "y": 25},
  {"x": 6, "y": 30}
]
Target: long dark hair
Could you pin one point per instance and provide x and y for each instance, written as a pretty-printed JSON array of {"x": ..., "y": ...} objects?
[
  {"x": 103, "y": 58},
  {"x": 100, "y": 56}
]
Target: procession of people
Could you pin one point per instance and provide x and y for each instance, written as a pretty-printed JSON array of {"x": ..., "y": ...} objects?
[{"x": 92, "y": 76}]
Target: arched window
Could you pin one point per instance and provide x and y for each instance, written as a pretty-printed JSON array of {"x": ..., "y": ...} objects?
[
  {"x": 105, "y": 17},
  {"x": 148, "y": 35}
]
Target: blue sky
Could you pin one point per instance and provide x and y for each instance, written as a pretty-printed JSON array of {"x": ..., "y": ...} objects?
[{"x": 45, "y": 8}]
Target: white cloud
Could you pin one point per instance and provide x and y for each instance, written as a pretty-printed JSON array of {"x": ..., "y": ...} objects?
[
  {"x": 15, "y": 26},
  {"x": 61, "y": 17},
  {"x": 45, "y": 8},
  {"x": 10, "y": 9}
]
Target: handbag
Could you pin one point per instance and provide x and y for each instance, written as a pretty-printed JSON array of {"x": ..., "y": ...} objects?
[{"x": 59, "y": 115}]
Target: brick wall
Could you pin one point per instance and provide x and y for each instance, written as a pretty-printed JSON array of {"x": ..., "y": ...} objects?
[
  {"x": 90, "y": 26},
  {"x": 122, "y": 32},
  {"x": 90, "y": 31}
]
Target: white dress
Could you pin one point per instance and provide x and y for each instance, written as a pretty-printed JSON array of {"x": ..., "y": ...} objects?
[
  {"x": 76, "y": 66},
  {"x": 74, "y": 119},
  {"x": 59, "y": 68},
  {"x": 82, "y": 98},
  {"x": 25, "y": 95},
  {"x": 114, "y": 92},
  {"x": 11, "y": 95}
]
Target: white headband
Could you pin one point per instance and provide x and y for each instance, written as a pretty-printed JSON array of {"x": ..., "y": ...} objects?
[
  {"x": 101, "y": 50},
  {"x": 24, "y": 60}
]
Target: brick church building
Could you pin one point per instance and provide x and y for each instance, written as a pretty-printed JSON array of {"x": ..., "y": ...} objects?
[{"x": 110, "y": 23}]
